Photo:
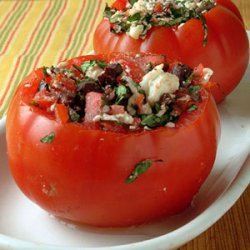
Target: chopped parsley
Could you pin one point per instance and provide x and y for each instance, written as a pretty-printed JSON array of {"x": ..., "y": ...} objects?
[
  {"x": 48, "y": 138},
  {"x": 91, "y": 63}
]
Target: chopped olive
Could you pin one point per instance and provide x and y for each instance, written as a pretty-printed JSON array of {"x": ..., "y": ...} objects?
[
  {"x": 87, "y": 85},
  {"x": 183, "y": 72}
]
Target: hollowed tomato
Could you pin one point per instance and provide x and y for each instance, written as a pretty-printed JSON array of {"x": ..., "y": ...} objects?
[
  {"x": 81, "y": 175},
  {"x": 226, "y": 51}
]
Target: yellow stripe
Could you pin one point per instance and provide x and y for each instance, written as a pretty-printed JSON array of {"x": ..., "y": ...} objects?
[
  {"x": 55, "y": 46},
  {"x": 59, "y": 40}
]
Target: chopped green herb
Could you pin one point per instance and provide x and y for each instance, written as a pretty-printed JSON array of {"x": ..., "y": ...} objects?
[
  {"x": 135, "y": 17},
  {"x": 77, "y": 68},
  {"x": 139, "y": 169},
  {"x": 45, "y": 72},
  {"x": 74, "y": 117},
  {"x": 205, "y": 28},
  {"x": 194, "y": 88},
  {"x": 132, "y": 2},
  {"x": 120, "y": 91},
  {"x": 48, "y": 138},
  {"x": 107, "y": 12},
  {"x": 153, "y": 121},
  {"x": 193, "y": 107},
  {"x": 87, "y": 64}
]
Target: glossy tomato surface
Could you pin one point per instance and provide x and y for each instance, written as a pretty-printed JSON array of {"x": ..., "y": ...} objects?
[
  {"x": 226, "y": 51},
  {"x": 81, "y": 175}
]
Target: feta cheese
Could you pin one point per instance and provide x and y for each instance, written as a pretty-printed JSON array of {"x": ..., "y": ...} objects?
[
  {"x": 157, "y": 82},
  {"x": 136, "y": 30},
  {"x": 207, "y": 73},
  {"x": 94, "y": 71},
  {"x": 124, "y": 118}
]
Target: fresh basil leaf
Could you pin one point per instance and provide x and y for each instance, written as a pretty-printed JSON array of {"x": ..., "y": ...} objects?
[
  {"x": 120, "y": 91},
  {"x": 48, "y": 138},
  {"x": 132, "y": 2},
  {"x": 153, "y": 121},
  {"x": 107, "y": 12},
  {"x": 194, "y": 88},
  {"x": 139, "y": 169},
  {"x": 74, "y": 116},
  {"x": 102, "y": 64},
  {"x": 87, "y": 64},
  {"x": 205, "y": 28},
  {"x": 135, "y": 17},
  {"x": 192, "y": 108}
]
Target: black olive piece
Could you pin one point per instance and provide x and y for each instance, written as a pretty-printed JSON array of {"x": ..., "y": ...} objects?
[
  {"x": 183, "y": 72},
  {"x": 88, "y": 86},
  {"x": 165, "y": 67},
  {"x": 105, "y": 79},
  {"x": 114, "y": 69}
]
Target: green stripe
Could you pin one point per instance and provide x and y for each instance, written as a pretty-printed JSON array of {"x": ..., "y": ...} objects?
[
  {"x": 82, "y": 28},
  {"x": 6, "y": 30},
  {"x": 28, "y": 59},
  {"x": 38, "y": 42}
]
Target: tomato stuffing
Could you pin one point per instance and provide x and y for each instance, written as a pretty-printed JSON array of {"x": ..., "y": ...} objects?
[
  {"x": 109, "y": 131},
  {"x": 210, "y": 32}
]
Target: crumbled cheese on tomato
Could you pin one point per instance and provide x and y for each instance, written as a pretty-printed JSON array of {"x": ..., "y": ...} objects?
[
  {"x": 158, "y": 82},
  {"x": 94, "y": 71},
  {"x": 146, "y": 109},
  {"x": 124, "y": 118},
  {"x": 207, "y": 73},
  {"x": 135, "y": 31}
]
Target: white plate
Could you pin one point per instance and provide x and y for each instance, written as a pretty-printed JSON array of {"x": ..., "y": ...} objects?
[{"x": 23, "y": 225}]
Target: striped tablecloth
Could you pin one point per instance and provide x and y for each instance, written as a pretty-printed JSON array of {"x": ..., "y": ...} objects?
[{"x": 34, "y": 33}]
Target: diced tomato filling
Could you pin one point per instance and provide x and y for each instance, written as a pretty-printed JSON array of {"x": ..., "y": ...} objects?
[
  {"x": 61, "y": 112},
  {"x": 93, "y": 106},
  {"x": 117, "y": 109},
  {"x": 44, "y": 99}
]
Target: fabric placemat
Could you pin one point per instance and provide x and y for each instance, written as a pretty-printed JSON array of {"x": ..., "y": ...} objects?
[{"x": 35, "y": 33}]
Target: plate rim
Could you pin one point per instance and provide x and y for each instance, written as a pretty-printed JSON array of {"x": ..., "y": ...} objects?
[{"x": 199, "y": 224}]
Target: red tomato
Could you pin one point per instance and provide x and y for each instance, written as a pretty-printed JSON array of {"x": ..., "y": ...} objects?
[
  {"x": 226, "y": 52},
  {"x": 81, "y": 174}
]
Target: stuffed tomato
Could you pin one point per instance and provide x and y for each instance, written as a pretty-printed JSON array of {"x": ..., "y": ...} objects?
[
  {"x": 210, "y": 32},
  {"x": 113, "y": 140}
]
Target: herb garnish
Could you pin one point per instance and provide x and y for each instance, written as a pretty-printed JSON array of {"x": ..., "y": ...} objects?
[
  {"x": 87, "y": 64},
  {"x": 192, "y": 108},
  {"x": 139, "y": 169},
  {"x": 48, "y": 138}
]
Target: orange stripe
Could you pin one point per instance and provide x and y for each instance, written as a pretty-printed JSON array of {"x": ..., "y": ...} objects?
[
  {"x": 8, "y": 42},
  {"x": 91, "y": 30},
  {"x": 50, "y": 33},
  {"x": 72, "y": 32},
  {"x": 9, "y": 14},
  {"x": 25, "y": 51}
]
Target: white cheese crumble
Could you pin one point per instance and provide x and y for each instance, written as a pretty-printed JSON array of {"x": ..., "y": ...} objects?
[
  {"x": 146, "y": 109},
  {"x": 158, "y": 82},
  {"x": 135, "y": 31},
  {"x": 94, "y": 71},
  {"x": 124, "y": 118},
  {"x": 207, "y": 73}
]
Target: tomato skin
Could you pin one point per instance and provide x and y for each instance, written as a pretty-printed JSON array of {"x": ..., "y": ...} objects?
[
  {"x": 226, "y": 52},
  {"x": 81, "y": 175}
]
